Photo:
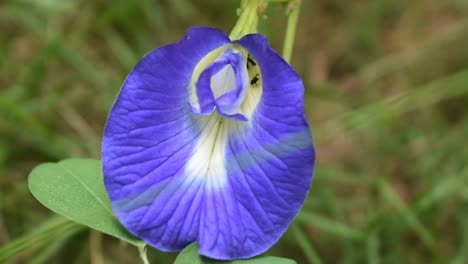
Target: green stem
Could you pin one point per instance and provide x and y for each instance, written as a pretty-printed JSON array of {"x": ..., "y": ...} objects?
[
  {"x": 249, "y": 14},
  {"x": 143, "y": 257},
  {"x": 293, "y": 10}
]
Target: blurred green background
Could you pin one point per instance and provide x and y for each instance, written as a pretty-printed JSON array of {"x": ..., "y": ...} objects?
[{"x": 386, "y": 93}]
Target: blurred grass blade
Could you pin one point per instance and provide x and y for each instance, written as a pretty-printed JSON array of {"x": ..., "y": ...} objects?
[
  {"x": 461, "y": 255},
  {"x": 29, "y": 129},
  {"x": 398, "y": 62},
  {"x": 48, "y": 251},
  {"x": 374, "y": 114},
  {"x": 121, "y": 50},
  {"x": 373, "y": 243},
  {"x": 54, "y": 229},
  {"x": 335, "y": 175},
  {"x": 304, "y": 243},
  {"x": 328, "y": 225},
  {"x": 407, "y": 214},
  {"x": 446, "y": 187}
]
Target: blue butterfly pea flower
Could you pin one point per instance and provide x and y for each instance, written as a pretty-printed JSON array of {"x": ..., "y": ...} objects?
[{"x": 207, "y": 142}]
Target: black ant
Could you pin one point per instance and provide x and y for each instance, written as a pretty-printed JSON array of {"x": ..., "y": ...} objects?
[
  {"x": 254, "y": 80},
  {"x": 249, "y": 60}
]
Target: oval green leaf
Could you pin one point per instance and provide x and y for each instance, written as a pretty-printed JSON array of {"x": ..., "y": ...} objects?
[
  {"x": 75, "y": 189},
  {"x": 190, "y": 256}
]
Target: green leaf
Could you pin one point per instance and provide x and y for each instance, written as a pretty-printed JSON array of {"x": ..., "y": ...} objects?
[
  {"x": 190, "y": 255},
  {"x": 74, "y": 188}
]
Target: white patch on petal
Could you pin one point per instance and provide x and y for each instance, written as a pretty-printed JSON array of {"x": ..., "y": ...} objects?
[{"x": 208, "y": 162}]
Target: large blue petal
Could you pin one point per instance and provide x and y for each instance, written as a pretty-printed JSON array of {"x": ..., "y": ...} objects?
[
  {"x": 269, "y": 166},
  {"x": 149, "y": 136}
]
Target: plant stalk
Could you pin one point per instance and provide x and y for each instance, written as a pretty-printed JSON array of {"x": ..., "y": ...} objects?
[
  {"x": 293, "y": 13},
  {"x": 249, "y": 14}
]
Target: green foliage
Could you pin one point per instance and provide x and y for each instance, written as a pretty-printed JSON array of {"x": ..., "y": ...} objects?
[
  {"x": 75, "y": 189},
  {"x": 386, "y": 94},
  {"x": 190, "y": 256}
]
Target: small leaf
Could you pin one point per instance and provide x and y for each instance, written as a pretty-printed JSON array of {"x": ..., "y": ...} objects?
[
  {"x": 74, "y": 188},
  {"x": 190, "y": 255}
]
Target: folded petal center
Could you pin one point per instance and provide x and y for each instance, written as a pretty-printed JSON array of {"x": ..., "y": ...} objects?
[{"x": 222, "y": 86}]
